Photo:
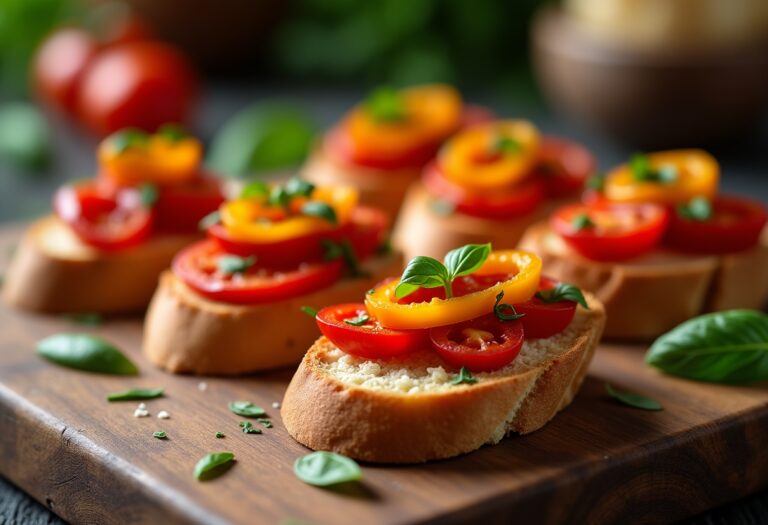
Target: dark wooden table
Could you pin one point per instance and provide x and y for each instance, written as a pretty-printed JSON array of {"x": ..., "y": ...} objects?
[{"x": 745, "y": 169}]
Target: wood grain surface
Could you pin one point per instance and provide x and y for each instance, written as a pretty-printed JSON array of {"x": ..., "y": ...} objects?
[{"x": 598, "y": 462}]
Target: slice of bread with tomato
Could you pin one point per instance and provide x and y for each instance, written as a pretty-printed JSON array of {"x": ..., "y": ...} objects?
[{"x": 407, "y": 409}]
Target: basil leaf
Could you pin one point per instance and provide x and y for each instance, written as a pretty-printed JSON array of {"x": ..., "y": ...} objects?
[
  {"x": 563, "y": 292},
  {"x": 297, "y": 187},
  {"x": 172, "y": 132},
  {"x": 279, "y": 197},
  {"x": 127, "y": 138},
  {"x": 360, "y": 320},
  {"x": 86, "y": 319},
  {"x": 148, "y": 194},
  {"x": 467, "y": 259},
  {"x": 219, "y": 435},
  {"x": 232, "y": 264},
  {"x": 640, "y": 166},
  {"x": 386, "y": 105},
  {"x": 248, "y": 428},
  {"x": 255, "y": 188},
  {"x": 422, "y": 272},
  {"x": 632, "y": 399},
  {"x": 213, "y": 465},
  {"x": 721, "y": 347},
  {"x": 209, "y": 220},
  {"x": 134, "y": 394},
  {"x": 505, "y": 145},
  {"x": 309, "y": 311},
  {"x": 667, "y": 174},
  {"x": 582, "y": 222},
  {"x": 326, "y": 468},
  {"x": 265, "y": 421},
  {"x": 160, "y": 434},
  {"x": 320, "y": 209},
  {"x": 246, "y": 409},
  {"x": 498, "y": 309},
  {"x": 464, "y": 376},
  {"x": 86, "y": 352},
  {"x": 699, "y": 209}
]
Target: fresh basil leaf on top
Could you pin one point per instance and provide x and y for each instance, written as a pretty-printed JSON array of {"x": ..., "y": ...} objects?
[
  {"x": 232, "y": 264},
  {"x": 173, "y": 132},
  {"x": 698, "y": 209},
  {"x": 323, "y": 469},
  {"x": 563, "y": 292},
  {"x": 721, "y": 347},
  {"x": 505, "y": 145},
  {"x": 642, "y": 171},
  {"x": 467, "y": 259},
  {"x": 426, "y": 272},
  {"x": 246, "y": 409},
  {"x": 297, "y": 187},
  {"x": 134, "y": 394},
  {"x": 320, "y": 209},
  {"x": 86, "y": 352},
  {"x": 633, "y": 400},
  {"x": 464, "y": 377},
  {"x": 385, "y": 104},
  {"x": 255, "y": 188},
  {"x": 213, "y": 465}
]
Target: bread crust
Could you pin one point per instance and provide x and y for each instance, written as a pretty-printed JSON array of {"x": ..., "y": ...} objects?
[
  {"x": 422, "y": 231},
  {"x": 377, "y": 426},
  {"x": 652, "y": 295},
  {"x": 52, "y": 271},
  {"x": 382, "y": 189},
  {"x": 187, "y": 333}
]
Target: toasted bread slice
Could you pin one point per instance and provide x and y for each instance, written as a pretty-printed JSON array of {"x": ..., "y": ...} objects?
[
  {"x": 406, "y": 410},
  {"x": 422, "y": 230},
  {"x": 654, "y": 293},
  {"x": 383, "y": 189},
  {"x": 187, "y": 333},
  {"x": 53, "y": 271}
]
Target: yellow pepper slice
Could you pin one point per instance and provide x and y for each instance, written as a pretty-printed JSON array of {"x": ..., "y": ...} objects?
[
  {"x": 492, "y": 155},
  {"x": 525, "y": 266},
  {"x": 252, "y": 219},
  {"x": 159, "y": 159},
  {"x": 696, "y": 174}
]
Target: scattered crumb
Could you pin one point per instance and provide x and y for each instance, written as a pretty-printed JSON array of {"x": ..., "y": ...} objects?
[
  {"x": 202, "y": 386},
  {"x": 141, "y": 411},
  {"x": 163, "y": 415},
  {"x": 142, "y": 406},
  {"x": 275, "y": 405}
]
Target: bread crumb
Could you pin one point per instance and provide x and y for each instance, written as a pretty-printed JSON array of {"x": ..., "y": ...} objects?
[
  {"x": 163, "y": 415},
  {"x": 141, "y": 411},
  {"x": 202, "y": 386},
  {"x": 275, "y": 405}
]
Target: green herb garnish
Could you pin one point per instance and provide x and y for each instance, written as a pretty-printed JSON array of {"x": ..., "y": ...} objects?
[
  {"x": 642, "y": 171},
  {"x": 582, "y": 222},
  {"x": 213, "y": 465},
  {"x": 498, "y": 309},
  {"x": 148, "y": 194},
  {"x": 209, "y": 220},
  {"x": 426, "y": 272},
  {"x": 172, "y": 132},
  {"x": 264, "y": 421},
  {"x": 312, "y": 312},
  {"x": 160, "y": 434},
  {"x": 279, "y": 197},
  {"x": 86, "y": 352},
  {"x": 698, "y": 209},
  {"x": 248, "y": 428},
  {"x": 464, "y": 376},
  {"x": 134, "y": 394},
  {"x": 323, "y": 469},
  {"x": 320, "y": 209},
  {"x": 297, "y": 187},
  {"x": 505, "y": 145},
  {"x": 359, "y": 320},
  {"x": 563, "y": 292},
  {"x": 220, "y": 435},
  {"x": 232, "y": 264},
  {"x": 632, "y": 399},
  {"x": 246, "y": 409},
  {"x": 127, "y": 138},
  {"x": 386, "y": 105},
  {"x": 255, "y": 188}
]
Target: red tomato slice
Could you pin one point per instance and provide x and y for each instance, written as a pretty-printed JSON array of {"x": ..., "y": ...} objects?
[
  {"x": 482, "y": 345},
  {"x": 521, "y": 199},
  {"x": 197, "y": 267},
  {"x": 617, "y": 231},
  {"x": 104, "y": 219},
  {"x": 542, "y": 320},
  {"x": 463, "y": 285},
  {"x": 563, "y": 166},
  {"x": 736, "y": 225},
  {"x": 180, "y": 207},
  {"x": 367, "y": 339},
  {"x": 365, "y": 231}
]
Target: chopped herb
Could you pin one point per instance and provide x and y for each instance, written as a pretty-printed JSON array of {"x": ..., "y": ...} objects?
[
  {"x": 127, "y": 138},
  {"x": 632, "y": 399},
  {"x": 442, "y": 207},
  {"x": 148, "y": 194},
  {"x": 320, "y": 209},
  {"x": 160, "y": 435},
  {"x": 360, "y": 320},
  {"x": 255, "y": 188},
  {"x": 220, "y": 435},
  {"x": 232, "y": 264},
  {"x": 699, "y": 209},
  {"x": 642, "y": 171},
  {"x": 582, "y": 222},
  {"x": 464, "y": 376},
  {"x": 371, "y": 291},
  {"x": 209, "y": 220},
  {"x": 133, "y": 394},
  {"x": 426, "y": 272},
  {"x": 264, "y": 421},
  {"x": 172, "y": 132},
  {"x": 563, "y": 292},
  {"x": 297, "y": 187},
  {"x": 246, "y": 409},
  {"x": 248, "y": 428},
  {"x": 386, "y": 105},
  {"x": 326, "y": 468},
  {"x": 502, "y": 144},
  {"x": 498, "y": 309},
  {"x": 86, "y": 319},
  {"x": 596, "y": 182},
  {"x": 213, "y": 465},
  {"x": 309, "y": 311}
]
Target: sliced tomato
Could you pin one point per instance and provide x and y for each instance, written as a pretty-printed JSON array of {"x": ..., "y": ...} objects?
[
  {"x": 197, "y": 267},
  {"x": 542, "y": 320},
  {"x": 515, "y": 201},
  {"x": 736, "y": 225},
  {"x": 180, "y": 207},
  {"x": 364, "y": 336},
  {"x": 615, "y": 232},
  {"x": 482, "y": 345},
  {"x": 563, "y": 166},
  {"x": 340, "y": 146},
  {"x": 107, "y": 219}
]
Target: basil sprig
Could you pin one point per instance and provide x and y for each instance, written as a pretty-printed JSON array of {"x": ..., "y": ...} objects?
[
  {"x": 722, "y": 347},
  {"x": 323, "y": 469},
  {"x": 642, "y": 171},
  {"x": 213, "y": 465},
  {"x": 246, "y": 409},
  {"x": 632, "y": 399},
  {"x": 86, "y": 352},
  {"x": 385, "y": 104},
  {"x": 426, "y": 272},
  {"x": 698, "y": 209},
  {"x": 499, "y": 307},
  {"x": 232, "y": 264},
  {"x": 563, "y": 292},
  {"x": 133, "y": 394}
]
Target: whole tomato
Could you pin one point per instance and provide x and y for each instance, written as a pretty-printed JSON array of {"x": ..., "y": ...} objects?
[{"x": 136, "y": 84}]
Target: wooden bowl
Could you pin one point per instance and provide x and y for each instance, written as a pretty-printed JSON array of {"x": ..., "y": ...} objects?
[{"x": 650, "y": 98}]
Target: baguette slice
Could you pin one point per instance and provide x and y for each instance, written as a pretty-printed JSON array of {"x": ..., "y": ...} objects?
[
  {"x": 651, "y": 295},
  {"x": 383, "y": 189},
  {"x": 420, "y": 230},
  {"x": 405, "y": 409},
  {"x": 53, "y": 271},
  {"x": 187, "y": 333}
]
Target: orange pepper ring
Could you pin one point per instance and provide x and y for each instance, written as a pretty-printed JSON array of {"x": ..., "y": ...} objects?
[{"x": 440, "y": 312}]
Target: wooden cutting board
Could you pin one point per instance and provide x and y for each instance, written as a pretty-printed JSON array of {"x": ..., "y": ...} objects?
[{"x": 598, "y": 461}]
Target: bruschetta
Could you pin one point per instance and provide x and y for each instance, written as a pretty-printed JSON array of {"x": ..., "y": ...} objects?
[
  {"x": 110, "y": 237},
  {"x": 414, "y": 374},
  {"x": 658, "y": 245}
]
